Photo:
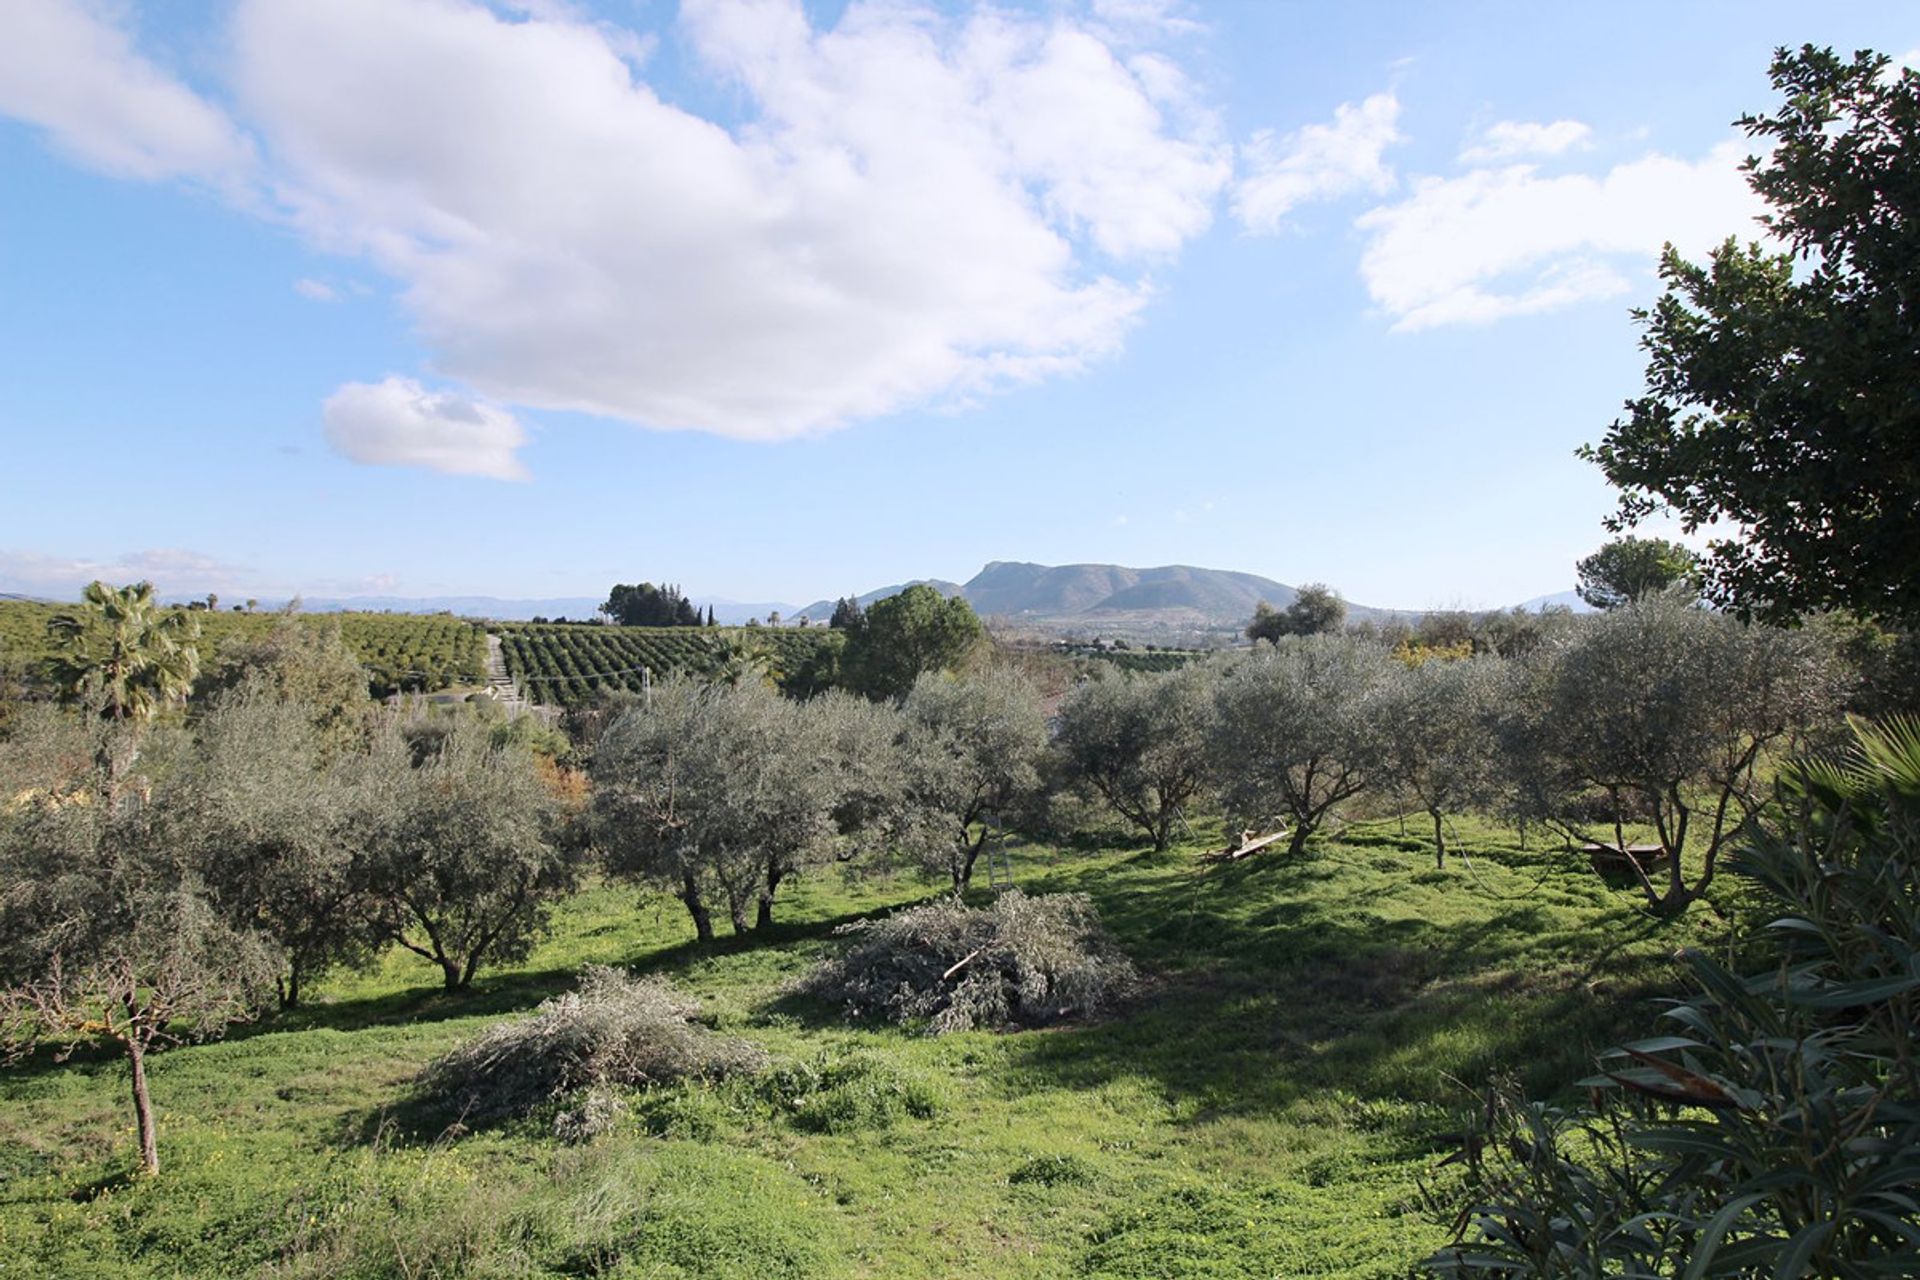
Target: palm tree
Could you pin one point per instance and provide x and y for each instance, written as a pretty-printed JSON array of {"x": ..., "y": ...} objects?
[{"x": 125, "y": 658}]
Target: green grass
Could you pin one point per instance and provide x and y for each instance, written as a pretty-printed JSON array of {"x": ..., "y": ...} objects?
[{"x": 1266, "y": 1107}]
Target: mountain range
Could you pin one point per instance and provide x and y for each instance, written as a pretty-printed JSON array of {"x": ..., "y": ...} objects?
[{"x": 1168, "y": 603}]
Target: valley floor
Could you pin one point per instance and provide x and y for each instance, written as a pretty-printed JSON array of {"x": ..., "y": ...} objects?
[{"x": 1269, "y": 1105}]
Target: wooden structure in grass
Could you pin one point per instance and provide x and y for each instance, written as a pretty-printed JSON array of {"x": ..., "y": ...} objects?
[
  {"x": 1251, "y": 842},
  {"x": 1610, "y": 859}
]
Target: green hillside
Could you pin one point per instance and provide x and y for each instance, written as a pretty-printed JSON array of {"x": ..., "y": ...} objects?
[{"x": 1267, "y": 1106}]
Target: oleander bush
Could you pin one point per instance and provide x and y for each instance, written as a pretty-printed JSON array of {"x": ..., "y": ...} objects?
[{"x": 1775, "y": 1131}]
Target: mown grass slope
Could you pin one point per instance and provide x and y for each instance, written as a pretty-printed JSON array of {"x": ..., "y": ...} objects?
[{"x": 1266, "y": 1106}]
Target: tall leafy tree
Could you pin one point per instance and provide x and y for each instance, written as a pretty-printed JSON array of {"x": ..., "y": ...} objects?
[
  {"x": 847, "y": 614},
  {"x": 907, "y": 635},
  {"x": 1628, "y": 569},
  {"x": 645, "y": 605},
  {"x": 1779, "y": 400},
  {"x": 1316, "y": 609}
]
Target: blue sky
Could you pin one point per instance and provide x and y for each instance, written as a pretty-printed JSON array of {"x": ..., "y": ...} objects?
[{"x": 778, "y": 301}]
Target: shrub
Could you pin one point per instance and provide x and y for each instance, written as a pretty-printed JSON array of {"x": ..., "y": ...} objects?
[
  {"x": 843, "y": 1094},
  {"x": 615, "y": 1030},
  {"x": 1023, "y": 961},
  {"x": 1052, "y": 1171},
  {"x": 1777, "y": 1131}
]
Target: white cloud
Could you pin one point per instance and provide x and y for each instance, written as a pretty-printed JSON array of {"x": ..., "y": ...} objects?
[
  {"x": 1513, "y": 139},
  {"x": 315, "y": 290},
  {"x": 1503, "y": 242},
  {"x": 1318, "y": 162},
  {"x": 399, "y": 423},
  {"x": 919, "y": 208},
  {"x": 66, "y": 67}
]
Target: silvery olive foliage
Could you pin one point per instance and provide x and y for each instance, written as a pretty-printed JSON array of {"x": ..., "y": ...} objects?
[
  {"x": 720, "y": 792},
  {"x": 1439, "y": 741},
  {"x": 1296, "y": 730},
  {"x": 968, "y": 758},
  {"x": 1670, "y": 714},
  {"x": 458, "y": 838},
  {"x": 107, "y": 928},
  {"x": 1139, "y": 742}
]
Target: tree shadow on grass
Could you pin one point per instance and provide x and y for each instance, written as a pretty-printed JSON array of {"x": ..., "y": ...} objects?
[
  {"x": 1276, "y": 984},
  {"x": 518, "y": 991}
]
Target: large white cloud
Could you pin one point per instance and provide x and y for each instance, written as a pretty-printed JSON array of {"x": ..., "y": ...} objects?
[
  {"x": 916, "y": 208},
  {"x": 68, "y": 68},
  {"x": 1342, "y": 157},
  {"x": 1508, "y": 241},
  {"x": 397, "y": 422}
]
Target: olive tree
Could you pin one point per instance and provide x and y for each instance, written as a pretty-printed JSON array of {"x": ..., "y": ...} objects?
[
  {"x": 456, "y": 835},
  {"x": 263, "y": 798},
  {"x": 107, "y": 931},
  {"x": 721, "y": 792},
  {"x": 302, "y": 662},
  {"x": 969, "y": 757},
  {"x": 1295, "y": 730},
  {"x": 1668, "y": 714},
  {"x": 1438, "y": 740},
  {"x": 1140, "y": 742}
]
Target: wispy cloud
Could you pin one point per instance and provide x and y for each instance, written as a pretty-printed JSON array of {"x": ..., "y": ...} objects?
[
  {"x": 315, "y": 290},
  {"x": 1513, "y": 140},
  {"x": 1342, "y": 157}
]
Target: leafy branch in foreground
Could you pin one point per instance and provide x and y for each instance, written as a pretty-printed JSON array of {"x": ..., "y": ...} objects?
[{"x": 1776, "y": 1130}]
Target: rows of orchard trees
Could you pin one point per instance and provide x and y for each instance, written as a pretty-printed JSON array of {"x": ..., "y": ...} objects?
[
  {"x": 162, "y": 874},
  {"x": 1660, "y": 719},
  {"x": 400, "y": 653}
]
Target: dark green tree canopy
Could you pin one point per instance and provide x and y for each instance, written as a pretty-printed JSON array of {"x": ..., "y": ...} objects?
[
  {"x": 646, "y": 605},
  {"x": 847, "y": 614},
  {"x": 906, "y": 635},
  {"x": 1626, "y": 569},
  {"x": 1781, "y": 386},
  {"x": 1316, "y": 609}
]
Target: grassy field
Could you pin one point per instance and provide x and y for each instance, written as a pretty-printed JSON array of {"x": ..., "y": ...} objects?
[{"x": 1267, "y": 1106}]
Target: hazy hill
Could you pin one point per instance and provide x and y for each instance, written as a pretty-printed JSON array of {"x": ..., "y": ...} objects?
[
  {"x": 1169, "y": 602},
  {"x": 822, "y": 610}
]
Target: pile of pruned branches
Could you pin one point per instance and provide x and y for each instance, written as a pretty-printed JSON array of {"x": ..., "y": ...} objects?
[
  {"x": 1021, "y": 962},
  {"x": 616, "y": 1030}
]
